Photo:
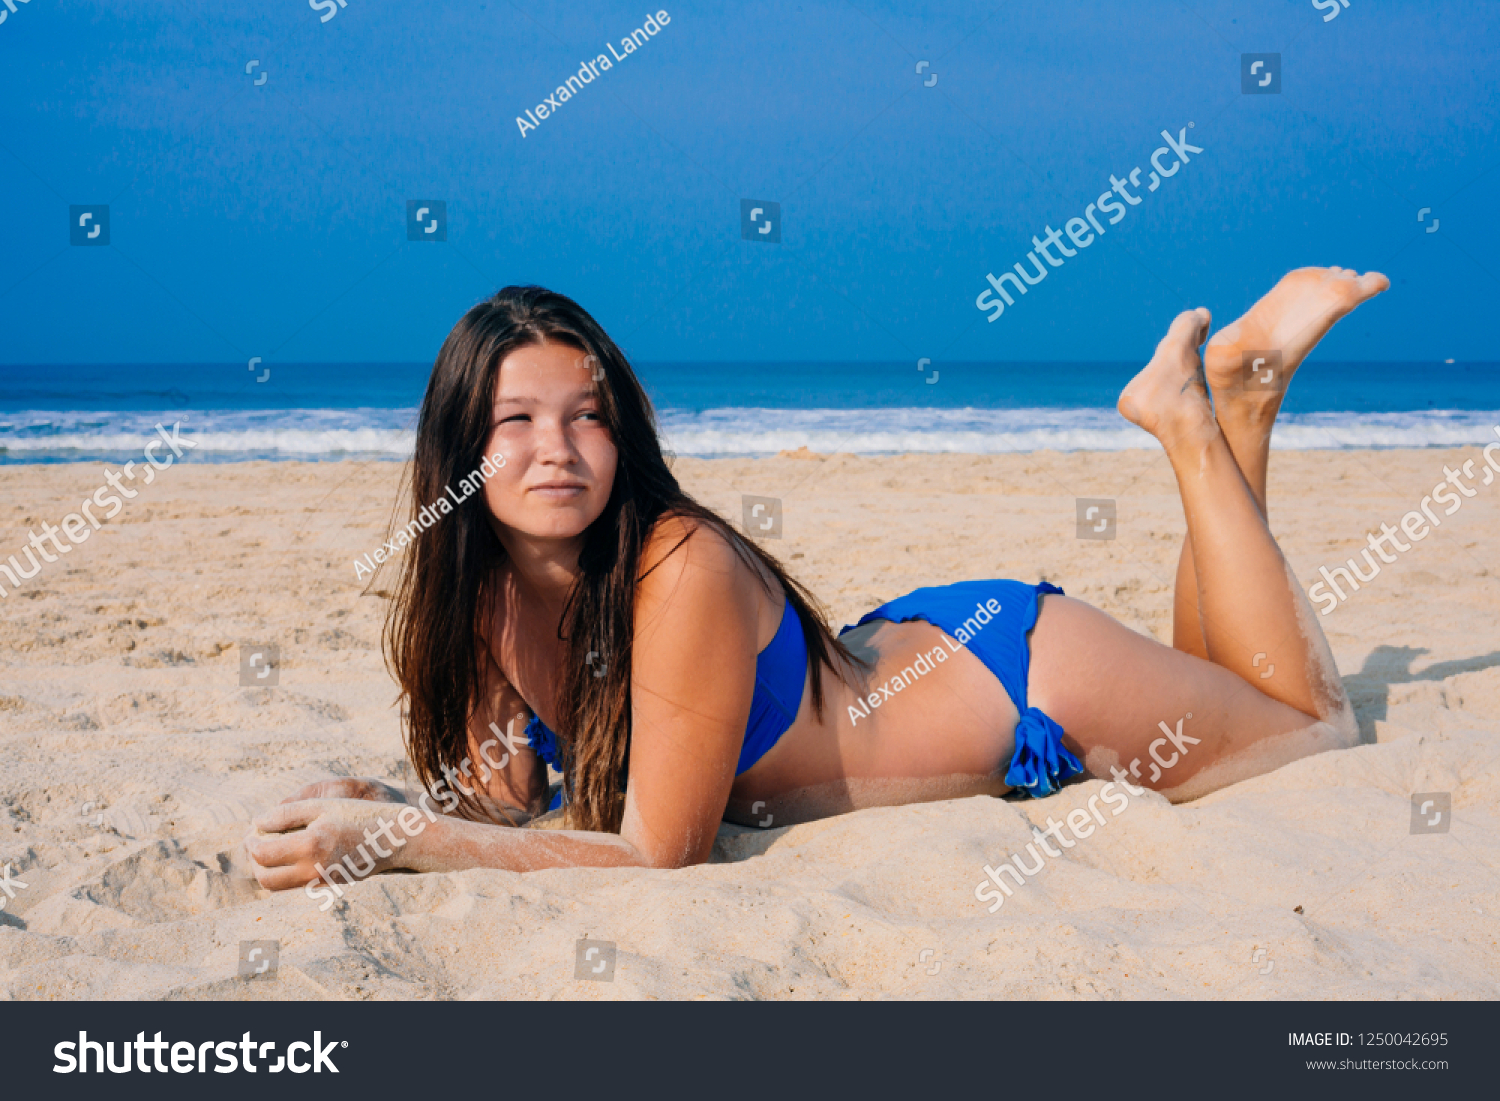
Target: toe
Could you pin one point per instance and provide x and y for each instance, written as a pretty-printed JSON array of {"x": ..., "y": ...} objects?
[
  {"x": 1372, "y": 283},
  {"x": 1190, "y": 325},
  {"x": 1200, "y": 320}
]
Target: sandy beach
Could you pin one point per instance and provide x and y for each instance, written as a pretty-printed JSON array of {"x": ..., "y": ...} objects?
[{"x": 132, "y": 759}]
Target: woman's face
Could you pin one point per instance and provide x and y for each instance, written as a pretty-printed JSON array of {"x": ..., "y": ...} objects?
[{"x": 559, "y": 458}]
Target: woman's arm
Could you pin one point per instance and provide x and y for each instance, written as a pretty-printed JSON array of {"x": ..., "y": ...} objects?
[
  {"x": 693, "y": 675},
  {"x": 697, "y": 617},
  {"x": 369, "y": 825},
  {"x": 501, "y": 766},
  {"x": 341, "y": 840}
]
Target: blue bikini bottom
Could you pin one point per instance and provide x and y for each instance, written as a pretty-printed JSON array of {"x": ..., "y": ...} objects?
[{"x": 991, "y": 619}]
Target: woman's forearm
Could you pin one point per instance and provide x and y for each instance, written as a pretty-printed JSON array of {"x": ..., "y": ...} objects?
[{"x": 451, "y": 844}]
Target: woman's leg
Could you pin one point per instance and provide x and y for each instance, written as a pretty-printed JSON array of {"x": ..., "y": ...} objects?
[
  {"x": 1291, "y": 319},
  {"x": 1269, "y": 692},
  {"x": 1111, "y": 687}
]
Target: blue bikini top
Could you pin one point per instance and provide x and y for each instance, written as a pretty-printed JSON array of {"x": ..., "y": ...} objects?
[{"x": 780, "y": 675}]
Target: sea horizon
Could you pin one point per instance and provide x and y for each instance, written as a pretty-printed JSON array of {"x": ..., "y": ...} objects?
[{"x": 367, "y": 411}]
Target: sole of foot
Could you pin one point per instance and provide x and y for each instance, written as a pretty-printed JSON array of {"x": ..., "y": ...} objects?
[
  {"x": 1169, "y": 398},
  {"x": 1289, "y": 321}
]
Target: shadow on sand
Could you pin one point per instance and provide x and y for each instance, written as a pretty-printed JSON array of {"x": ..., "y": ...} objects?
[{"x": 1369, "y": 689}]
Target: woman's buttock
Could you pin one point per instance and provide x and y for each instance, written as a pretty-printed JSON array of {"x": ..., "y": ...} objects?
[{"x": 927, "y": 721}]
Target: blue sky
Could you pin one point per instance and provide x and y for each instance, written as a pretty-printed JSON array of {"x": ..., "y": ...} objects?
[{"x": 270, "y": 220}]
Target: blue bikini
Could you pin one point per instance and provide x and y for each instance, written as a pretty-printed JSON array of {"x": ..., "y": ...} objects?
[
  {"x": 963, "y": 611},
  {"x": 1040, "y": 762},
  {"x": 780, "y": 675}
]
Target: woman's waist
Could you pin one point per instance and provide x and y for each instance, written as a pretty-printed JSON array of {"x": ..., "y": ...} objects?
[{"x": 923, "y": 706}]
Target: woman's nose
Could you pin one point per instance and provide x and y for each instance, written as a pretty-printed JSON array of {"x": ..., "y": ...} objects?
[{"x": 554, "y": 442}]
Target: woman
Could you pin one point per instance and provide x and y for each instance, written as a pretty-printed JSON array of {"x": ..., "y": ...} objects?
[{"x": 579, "y": 590}]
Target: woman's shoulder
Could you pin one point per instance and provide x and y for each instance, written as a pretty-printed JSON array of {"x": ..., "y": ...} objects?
[
  {"x": 698, "y": 588},
  {"x": 689, "y": 549}
]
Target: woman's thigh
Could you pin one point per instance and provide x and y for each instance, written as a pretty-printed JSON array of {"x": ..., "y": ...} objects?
[{"x": 1171, "y": 721}]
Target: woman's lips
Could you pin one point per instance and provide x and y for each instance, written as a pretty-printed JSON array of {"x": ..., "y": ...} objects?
[{"x": 560, "y": 492}]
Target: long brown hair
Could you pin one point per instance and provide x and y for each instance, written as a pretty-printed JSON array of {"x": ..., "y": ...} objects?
[{"x": 433, "y": 633}]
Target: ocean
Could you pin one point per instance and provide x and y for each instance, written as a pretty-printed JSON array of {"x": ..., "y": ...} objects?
[{"x": 363, "y": 411}]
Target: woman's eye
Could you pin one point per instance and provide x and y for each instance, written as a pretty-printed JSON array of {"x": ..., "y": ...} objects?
[{"x": 514, "y": 417}]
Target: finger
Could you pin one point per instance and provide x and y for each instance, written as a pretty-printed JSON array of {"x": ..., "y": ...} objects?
[
  {"x": 279, "y": 851},
  {"x": 285, "y": 879},
  {"x": 289, "y": 816}
]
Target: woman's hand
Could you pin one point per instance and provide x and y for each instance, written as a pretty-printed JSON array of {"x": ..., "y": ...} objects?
[
  {"x": 293, "y": 840},
  {"x": 349, "y": 787}
]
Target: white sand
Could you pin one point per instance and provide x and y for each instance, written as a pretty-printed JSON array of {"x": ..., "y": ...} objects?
[{"x": 131, "y": 760}]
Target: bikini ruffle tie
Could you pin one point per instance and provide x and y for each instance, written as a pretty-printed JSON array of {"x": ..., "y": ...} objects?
[
  {"x": 543, "y": 742},
  {"x": 1041, "y": 762}
]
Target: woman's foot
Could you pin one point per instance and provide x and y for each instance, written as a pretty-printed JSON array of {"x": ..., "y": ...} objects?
[
  {"x": 1290, "y": 319},
  {"x": 1169, "y": 397}
]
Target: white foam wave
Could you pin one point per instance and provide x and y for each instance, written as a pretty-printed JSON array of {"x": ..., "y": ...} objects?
[
  {"x": 268, "y": 434},
  {"x": 983, "y": 431},
  {"x": 268, "y": 442},
  {"x": 387, "y": 433}
]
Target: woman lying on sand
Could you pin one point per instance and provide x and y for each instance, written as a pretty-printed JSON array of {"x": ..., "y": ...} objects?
[{"x": 690, "y": 680}]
